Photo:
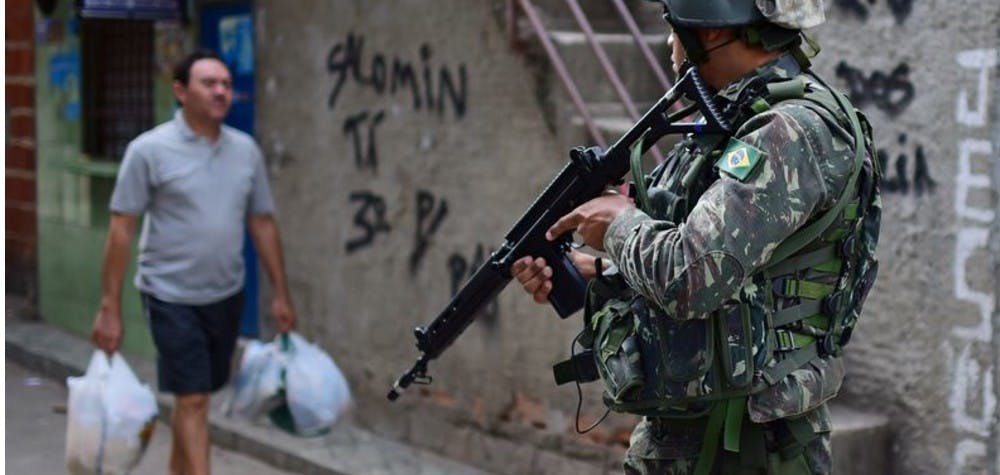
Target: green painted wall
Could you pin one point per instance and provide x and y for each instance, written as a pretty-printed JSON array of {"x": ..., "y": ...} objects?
[{"x": 73, "y": 191}]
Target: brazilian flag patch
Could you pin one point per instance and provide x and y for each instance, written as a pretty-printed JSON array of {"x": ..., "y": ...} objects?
[{"x": 739, "y": 159}]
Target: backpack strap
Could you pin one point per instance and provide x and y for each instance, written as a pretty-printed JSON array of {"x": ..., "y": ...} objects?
[
  {"x": 638, "y": 177},
  {"x": 808, "y": 348},
  {"x": 808, "y": 234}
]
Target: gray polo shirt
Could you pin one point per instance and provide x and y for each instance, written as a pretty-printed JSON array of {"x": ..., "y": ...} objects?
[{"x": 196, "y": 197}]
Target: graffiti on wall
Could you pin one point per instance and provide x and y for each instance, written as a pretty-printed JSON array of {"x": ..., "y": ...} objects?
[
  {"x": 904, "y": 162},
  {"x": 430, "y": 212},
  {"x": 900, "y": 9},
  {"x": 891, "y": 92},
  {"x": 430, "y": 90},
  {"x": 369, "y": 218},
  {"x": 361, "y": 128},
  {"x": 971, "y": 401},
  {"x": 897, "y": 174},
  {"x": 423, "y": 84}
]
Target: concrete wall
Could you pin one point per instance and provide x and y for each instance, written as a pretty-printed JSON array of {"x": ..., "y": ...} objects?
[
  {"x": 391, "y": 192},
  {"x": 925, "y": 353},
  {"x": 389, "y": 195}
]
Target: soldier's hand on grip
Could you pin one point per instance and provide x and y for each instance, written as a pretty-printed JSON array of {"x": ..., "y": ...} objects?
[{"x": 535, "y": 277}]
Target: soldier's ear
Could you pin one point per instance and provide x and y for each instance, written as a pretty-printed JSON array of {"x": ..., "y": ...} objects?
[{"x": 710, "y": 36}]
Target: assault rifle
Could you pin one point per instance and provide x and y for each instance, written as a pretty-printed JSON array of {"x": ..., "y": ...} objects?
[{"x": 588, "y": 173}]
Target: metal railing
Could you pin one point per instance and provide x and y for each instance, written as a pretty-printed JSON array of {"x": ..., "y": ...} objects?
[{"x": 562, "y": 72}]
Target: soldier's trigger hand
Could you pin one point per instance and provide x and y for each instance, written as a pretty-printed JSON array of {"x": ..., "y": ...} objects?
[
  {"x": 535, "y": 277},
  {"x": 586, "y": 264},
  {"x": 591, "y": 219}
]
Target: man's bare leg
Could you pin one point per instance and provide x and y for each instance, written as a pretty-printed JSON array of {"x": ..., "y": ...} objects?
[{"x": 190, "y": 450}]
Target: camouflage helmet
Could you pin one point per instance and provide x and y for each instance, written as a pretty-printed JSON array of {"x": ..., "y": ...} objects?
[
  {"x": 789, "y": 14},
  {"x": 770, "y": 24}
]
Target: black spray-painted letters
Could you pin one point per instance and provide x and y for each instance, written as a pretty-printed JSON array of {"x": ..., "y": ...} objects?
[
  {"x": 901, "y": 9},
  {"x": 898, "y": 179},
  {"x": 365, "y": 153},
  {"x": 429, "y": 90},
  {"x": 891, "y": 92},
  {"x": 430, "y": 212},
  {"x": 370, "y": 218}
]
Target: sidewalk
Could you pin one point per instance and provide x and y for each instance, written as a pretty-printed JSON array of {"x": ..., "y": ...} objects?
[
  {"x": 36, "y": 413},
  {"x": 346, "y": 450}
]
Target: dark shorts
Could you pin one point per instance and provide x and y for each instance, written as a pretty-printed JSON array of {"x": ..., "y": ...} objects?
[{"x": 194, "y": 343}]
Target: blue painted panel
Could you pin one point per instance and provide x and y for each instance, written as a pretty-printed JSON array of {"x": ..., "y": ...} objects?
[{"x": 228, "y": 30}]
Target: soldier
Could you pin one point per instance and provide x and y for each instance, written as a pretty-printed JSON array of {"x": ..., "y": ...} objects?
[{"x": 738, "y": 274}]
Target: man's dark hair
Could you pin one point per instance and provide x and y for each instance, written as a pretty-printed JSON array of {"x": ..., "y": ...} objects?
[{"x": 182, "y": 71}]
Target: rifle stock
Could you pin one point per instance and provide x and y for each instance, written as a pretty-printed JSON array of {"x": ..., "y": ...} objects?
[{"x": 587, "y": 174}]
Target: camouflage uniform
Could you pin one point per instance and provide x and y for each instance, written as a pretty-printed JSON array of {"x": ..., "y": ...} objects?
[{"x": 687, "y": 260}]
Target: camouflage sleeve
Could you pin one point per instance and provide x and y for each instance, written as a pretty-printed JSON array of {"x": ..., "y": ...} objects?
[{"x": 690, "y": 269}]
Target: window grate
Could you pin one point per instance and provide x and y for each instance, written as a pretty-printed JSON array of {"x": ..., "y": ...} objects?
[{"x": 118, "y": 68}]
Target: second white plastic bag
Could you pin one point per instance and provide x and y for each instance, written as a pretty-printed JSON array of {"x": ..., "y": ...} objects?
[{"x": 316, "y": 391}]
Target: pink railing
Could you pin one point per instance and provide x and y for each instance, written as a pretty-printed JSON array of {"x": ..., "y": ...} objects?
[{"x": 559, "y": 66}]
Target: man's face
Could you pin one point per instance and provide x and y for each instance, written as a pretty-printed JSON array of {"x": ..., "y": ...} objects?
[
  {"x": 209, "y": 91},
  {"x": 677, "y": 54}
]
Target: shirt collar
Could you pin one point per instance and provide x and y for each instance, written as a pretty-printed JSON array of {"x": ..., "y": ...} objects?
[
  {"x": 188, "y": 134},
  {"x": 183, "y": 126}
]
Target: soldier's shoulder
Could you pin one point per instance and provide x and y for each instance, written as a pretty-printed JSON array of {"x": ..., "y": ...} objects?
[
  {"x": 784, "y": 122},
  {"x": 803, "y": 113}
]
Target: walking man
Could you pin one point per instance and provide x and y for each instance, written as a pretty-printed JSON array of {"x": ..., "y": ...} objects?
[{"x": 198, "y": 184}]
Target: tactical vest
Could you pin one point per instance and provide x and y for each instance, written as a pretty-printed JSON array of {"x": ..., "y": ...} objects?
[{"x": 800, "y": 307}]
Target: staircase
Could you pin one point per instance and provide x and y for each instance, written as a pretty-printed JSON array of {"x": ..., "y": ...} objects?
[
  {"x": 604, "y": 62},
  {"x": 594, "y": 103}
]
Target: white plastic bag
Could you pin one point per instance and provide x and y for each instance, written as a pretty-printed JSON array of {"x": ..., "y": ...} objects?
[
  {"x": 258, "y": 385},
  {"x": 110, "y": 418},
  {"x": 316, "y": 391}
]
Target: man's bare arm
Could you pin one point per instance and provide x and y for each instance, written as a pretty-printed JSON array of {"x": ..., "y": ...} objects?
[
  {"x": 267, "y": 240},
  {"x": 108, "y": 330}
]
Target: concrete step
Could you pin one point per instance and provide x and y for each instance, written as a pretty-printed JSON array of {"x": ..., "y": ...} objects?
[
  {"x": 861, "y": 442},
  {"x": 345, "y": 450}
]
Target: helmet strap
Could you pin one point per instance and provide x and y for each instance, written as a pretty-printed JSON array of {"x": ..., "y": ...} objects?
[
  {"x": 802, "y": 56},
  {"x": 724, "y": 43}
]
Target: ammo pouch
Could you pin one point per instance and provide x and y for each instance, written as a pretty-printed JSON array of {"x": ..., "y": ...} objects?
[
  {"x": 651, "y": 364},
  {"x": 654, "y": 365},
  {"x": 609, "y": 337},
  {"x": 616, "y": 350}
]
